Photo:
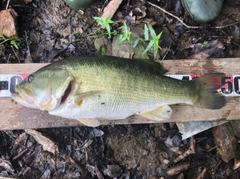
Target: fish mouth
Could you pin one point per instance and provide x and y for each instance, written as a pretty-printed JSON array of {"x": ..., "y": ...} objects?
[
  {"x": 25, "y": 94},
  {"x": 24, "y": 99}
]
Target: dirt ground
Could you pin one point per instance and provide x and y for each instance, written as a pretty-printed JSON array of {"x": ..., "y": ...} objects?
[{"x": 51, "y": 30}]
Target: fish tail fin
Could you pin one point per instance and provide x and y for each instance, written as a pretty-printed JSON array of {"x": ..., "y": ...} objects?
[{"x": 207, "y": 95}]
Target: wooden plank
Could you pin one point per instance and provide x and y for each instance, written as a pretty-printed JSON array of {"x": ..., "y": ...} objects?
[
  {"x": 15, "y": 116},
  {"x": 225, "y": 65}
]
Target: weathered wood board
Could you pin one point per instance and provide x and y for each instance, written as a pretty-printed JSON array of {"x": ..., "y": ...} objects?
[{"x": 15, "y": 116}]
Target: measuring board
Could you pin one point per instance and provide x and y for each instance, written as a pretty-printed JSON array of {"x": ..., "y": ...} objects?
[
  {"x": 230, "y": 83},
  {"x": 15, "y": 116}
]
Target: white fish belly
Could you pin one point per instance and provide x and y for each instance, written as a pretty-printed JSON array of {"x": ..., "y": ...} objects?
[{"x": 102, "y": 107}]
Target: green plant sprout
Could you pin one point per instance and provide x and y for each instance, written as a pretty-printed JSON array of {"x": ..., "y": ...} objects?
[
  {"x": 126, "y": 34},
  {"x": 105, "y": 23},
  {"x": 14, "y": 41},
  {"x": 205, "y": 42},
  {"x": 149, "y": 34},
  {"x": 153, "y": 41},
  {"x": 148, "y": 31}
]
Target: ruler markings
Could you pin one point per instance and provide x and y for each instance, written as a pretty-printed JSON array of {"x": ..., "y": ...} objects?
[{"x": 230, "y": 83}]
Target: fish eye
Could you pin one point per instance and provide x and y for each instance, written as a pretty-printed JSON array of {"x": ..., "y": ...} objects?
[{"x": 30, "y": 78}]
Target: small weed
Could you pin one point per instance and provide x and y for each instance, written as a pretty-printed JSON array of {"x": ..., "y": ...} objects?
[
  {"x": 149, "y": 34},
  {"x": 14, "y": 41},
  {"x": 153, "y": 40},
  {"x": 205, "y": 42},
  {"x": 105, "y": 23},
  {"x": 126, "y": 34}
]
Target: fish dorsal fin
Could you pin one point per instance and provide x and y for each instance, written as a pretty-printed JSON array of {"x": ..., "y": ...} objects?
[
  {"x": 158, "y": 114},
  {"x": 90, "y": 122},
  {"x": 79, "y": 98},
  {"x": 154, "y": 64}
]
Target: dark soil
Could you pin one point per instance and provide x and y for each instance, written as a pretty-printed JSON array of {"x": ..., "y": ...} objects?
[{"x": 49, "y": 31}]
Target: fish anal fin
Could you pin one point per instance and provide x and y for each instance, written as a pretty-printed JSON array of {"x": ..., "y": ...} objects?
[
  {"x": 158, "y": 114},
  {"x": 90, "y": 122}
]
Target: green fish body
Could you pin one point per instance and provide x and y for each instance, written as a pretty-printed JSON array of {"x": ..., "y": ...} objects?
[{"x": 107, "y": 88}]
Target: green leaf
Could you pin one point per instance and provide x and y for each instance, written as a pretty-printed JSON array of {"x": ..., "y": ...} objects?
[
  {"x": 126, "y": 32},
  {"x": 146, "y": 35},
  {"x": 108, "y": 28},
  {"x": 100, "y": 20},
  {"x": 152, "y": 31},
  {"x": 148, "y": 47},
  {"x": 104, "y": 21},
  {"x": 125, "y": 29},
  {"x": 159, "y": 35},
  {"x": 122, "y": 38},
  {"x": 109, "y": 21},
  {"x": 15, "y": 44},
  {"x": 128, "y": 36},
  {"x": 115, "y": 32},
  {"x": 155, "y": 48},
  {"x": 1, "y": 52},
  {"x": 3, "y": 37},
  {"x": 205, "y": 42},
  {"x": 135, "y": 43}
]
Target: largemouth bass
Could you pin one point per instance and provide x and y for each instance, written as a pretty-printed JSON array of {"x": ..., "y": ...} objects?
[{"x": 108, "y": 88}]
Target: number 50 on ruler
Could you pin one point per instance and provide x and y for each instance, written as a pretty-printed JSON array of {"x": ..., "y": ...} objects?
[{"x": 230, "y": 83}]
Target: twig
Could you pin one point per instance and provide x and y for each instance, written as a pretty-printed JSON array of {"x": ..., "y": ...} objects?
[
  {"x": 168, "y": 49},
  {"x": 224, "y": 26},
  {"x": 201, "y": 176},
  {"x": 98, "y": 172},
  {"x": 178, "y": 168},
  {"x": 235, "y": 43},
  {"x": 209, "y": 150},
  {"x": 8, "y": 58},
  {"x": 7, "y": 4},
  {"x": 28, "y": 56},
  {"x": 25, "y": 6},
  {"x": 190, "y": 151},
  {"x": 20, "y": 154},
  {"x": 15, "y": 54},
  {"x": 111, "y": 8},
  {"x": 188, "y": 26},
  {"x": 25, "y": 147}
]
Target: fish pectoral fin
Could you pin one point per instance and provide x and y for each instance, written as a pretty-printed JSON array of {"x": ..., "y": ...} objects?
[
  {"x": 158, "y": 114},
  {"x": 90, "y": 122},
  {"x": 79, "y": 98}
]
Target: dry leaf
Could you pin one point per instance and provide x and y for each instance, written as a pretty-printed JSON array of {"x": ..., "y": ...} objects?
[
  {"x": 6, "y": 165},
  {"x": 20, "y": 140},
  {"x": 47, "y": 144}
]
